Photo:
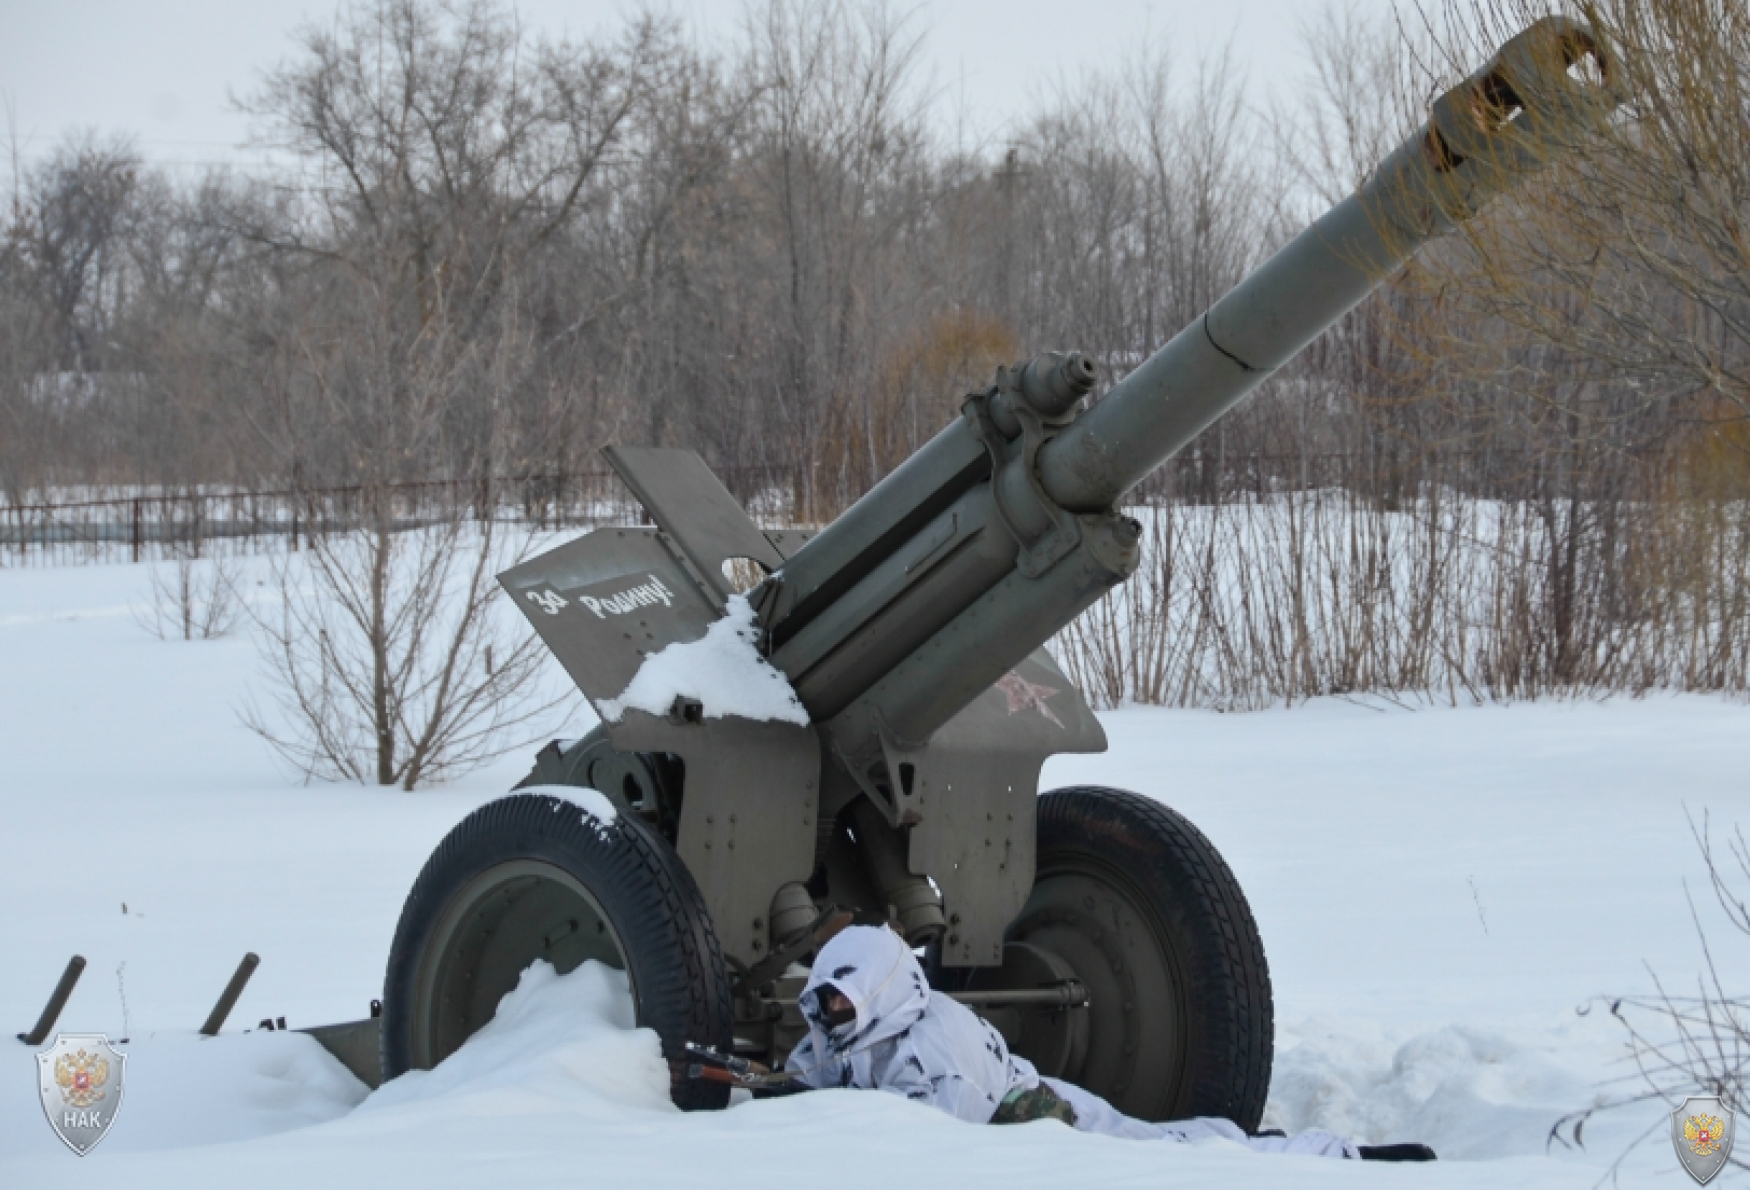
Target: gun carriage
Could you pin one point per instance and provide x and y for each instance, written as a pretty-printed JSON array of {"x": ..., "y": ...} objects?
[{"x": 1099, "y": 929}]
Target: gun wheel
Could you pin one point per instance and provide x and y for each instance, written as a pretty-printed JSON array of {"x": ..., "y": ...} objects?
[
  {"x": 1137, "y": 903},
  {"x": 530, "y": 877}
]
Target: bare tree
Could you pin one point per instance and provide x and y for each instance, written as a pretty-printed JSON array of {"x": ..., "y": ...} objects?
[
  {"x": 391, "y": 662},
  {"x": 191, "y": 597},
  {"x": 400, "y": 345},
  {"x": 1629, "y": 256},
  {"x": 391, "y": 658},
  {"x": 63, "y": 288},
  {"x": 1682, "y": 1043},
  {"x": 440, "y": 153},
  {"x": 1517, "y": 470}
]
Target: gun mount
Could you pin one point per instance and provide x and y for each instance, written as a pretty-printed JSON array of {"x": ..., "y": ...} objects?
[{"x": 911, "y": 630}]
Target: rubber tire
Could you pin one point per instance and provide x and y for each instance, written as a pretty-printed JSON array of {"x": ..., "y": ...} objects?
[
  {"x": 533, "y": 852},
  {"x": 1151, "y": 918}
]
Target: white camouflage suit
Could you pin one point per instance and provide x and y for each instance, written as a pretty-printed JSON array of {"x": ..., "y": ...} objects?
[{"x": 933, "y": 1050}]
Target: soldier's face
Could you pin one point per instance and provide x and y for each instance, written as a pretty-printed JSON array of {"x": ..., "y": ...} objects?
[{"x": 836, "y": 1008}]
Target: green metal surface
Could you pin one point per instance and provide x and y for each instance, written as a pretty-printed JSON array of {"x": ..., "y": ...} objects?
[{"x": 910, "y": 627}]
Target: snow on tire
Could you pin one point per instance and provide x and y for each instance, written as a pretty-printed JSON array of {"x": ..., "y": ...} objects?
[{"x": 537, "y": 876}]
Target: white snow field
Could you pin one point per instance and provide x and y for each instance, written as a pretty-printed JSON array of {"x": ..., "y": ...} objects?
[{"x": 1440, "y": 891}]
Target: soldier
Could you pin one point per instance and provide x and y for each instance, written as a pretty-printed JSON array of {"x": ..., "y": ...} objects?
[{"x": 874, "y": 1024}]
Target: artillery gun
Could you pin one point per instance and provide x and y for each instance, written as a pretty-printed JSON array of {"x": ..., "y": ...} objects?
[{"x": 1097, "y": 928}]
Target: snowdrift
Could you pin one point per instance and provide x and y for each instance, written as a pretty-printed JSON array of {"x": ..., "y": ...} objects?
[{"x": 1439, "y": 891}]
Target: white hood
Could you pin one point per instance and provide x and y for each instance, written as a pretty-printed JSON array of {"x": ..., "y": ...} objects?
[
  {"x": 877, "y": 972},
  {"x": 934, "y": 1050},
  {"x": 903, "y": 1040}
]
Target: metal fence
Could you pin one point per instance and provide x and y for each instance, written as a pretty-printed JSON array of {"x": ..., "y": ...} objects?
[
  {"x": 150, "y": 526},
  {"x": 145, "y": 526}
]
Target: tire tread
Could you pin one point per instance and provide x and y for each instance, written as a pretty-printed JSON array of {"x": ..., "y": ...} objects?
[
  {"x": 682, "y": 983},
  {"x": 1230, "y": 1004}
]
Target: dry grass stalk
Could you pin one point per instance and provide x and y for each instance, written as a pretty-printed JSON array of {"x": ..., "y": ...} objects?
[{"x": 1262, "y": 602}]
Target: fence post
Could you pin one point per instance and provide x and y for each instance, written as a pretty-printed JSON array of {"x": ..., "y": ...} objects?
[{"x": 136, "y": 528}]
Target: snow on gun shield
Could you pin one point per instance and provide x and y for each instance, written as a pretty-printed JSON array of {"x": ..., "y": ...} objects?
[{"x": 911, "y": 632}]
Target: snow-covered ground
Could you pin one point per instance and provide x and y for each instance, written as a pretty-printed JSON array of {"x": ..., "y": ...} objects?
[{"x": 1443, "y": 894}]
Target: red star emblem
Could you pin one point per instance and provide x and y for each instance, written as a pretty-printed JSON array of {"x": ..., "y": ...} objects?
[{"x": 1023, "y": 695}]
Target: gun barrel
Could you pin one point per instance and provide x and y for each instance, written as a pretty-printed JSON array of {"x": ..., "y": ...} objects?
[
  {"x": 1504, "y": 122},
  {"x": 1000, "y": 530}
]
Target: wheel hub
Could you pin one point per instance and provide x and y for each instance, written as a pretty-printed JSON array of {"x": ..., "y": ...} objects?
[
  {"x": 1054, "y": 1039},
  {"x": 492, "y": 929},
  {"x": 1097, "y": 930}
]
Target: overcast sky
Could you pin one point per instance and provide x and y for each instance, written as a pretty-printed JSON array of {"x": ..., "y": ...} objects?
[{"x": 161, "y": 70}]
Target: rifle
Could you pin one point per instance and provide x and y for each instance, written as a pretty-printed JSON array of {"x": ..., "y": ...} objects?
[{"x": 711, "y": 1065}]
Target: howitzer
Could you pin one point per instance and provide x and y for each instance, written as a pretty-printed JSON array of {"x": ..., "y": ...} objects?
[{"x": 911, "y": 631}]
